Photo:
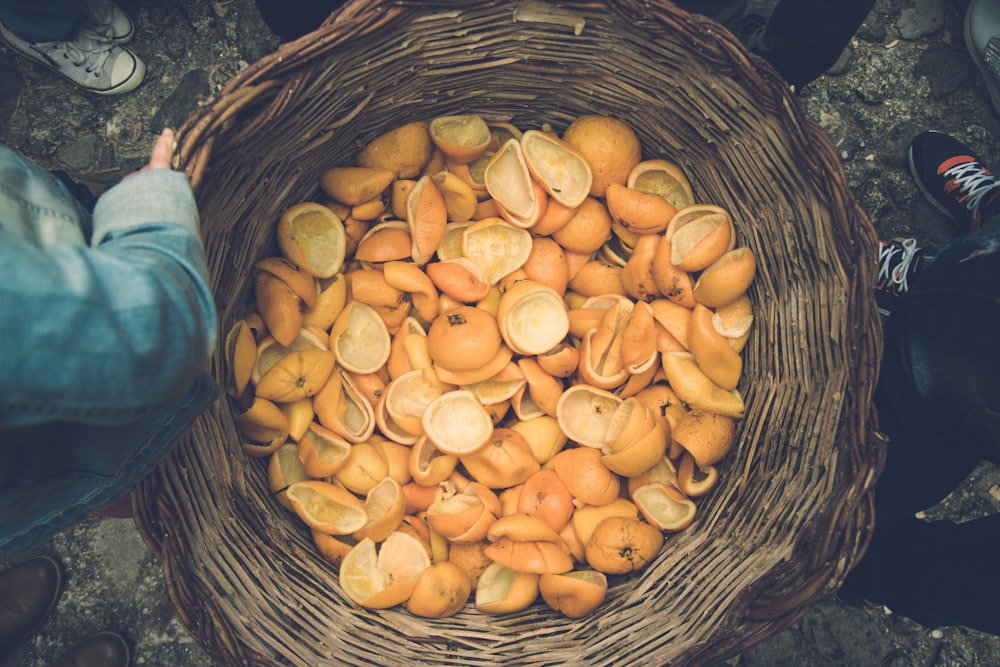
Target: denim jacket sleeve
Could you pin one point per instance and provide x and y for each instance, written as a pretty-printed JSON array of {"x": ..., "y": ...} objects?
[{"x": 109, "y": 333}]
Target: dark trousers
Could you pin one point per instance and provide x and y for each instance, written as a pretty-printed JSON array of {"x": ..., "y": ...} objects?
[
  {"x": 939, "y": 402},
  {"x": 291, "y": 19},
  {"x": 802, "y": 39},
  {"x": 40, "y": 20}
]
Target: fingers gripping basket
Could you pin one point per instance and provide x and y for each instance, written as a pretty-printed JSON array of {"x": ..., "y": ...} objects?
[{"x": 793, "y": 509}]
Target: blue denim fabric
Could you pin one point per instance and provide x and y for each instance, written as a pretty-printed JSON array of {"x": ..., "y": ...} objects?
[
  {"x": 40, "y": 20},
  {"x": 104, "y": 340}
]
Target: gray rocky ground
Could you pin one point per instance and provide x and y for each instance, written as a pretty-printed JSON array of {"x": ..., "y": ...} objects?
[{"x": 907, "y": 70}]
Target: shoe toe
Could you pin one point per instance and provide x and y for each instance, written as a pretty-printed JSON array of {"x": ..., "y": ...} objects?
[
  {"x": 105, "y": 649},
  {"x": 127, "y": 72},
  {"x": 28, "y": 592},
  {"x": 921, "y": 145}
]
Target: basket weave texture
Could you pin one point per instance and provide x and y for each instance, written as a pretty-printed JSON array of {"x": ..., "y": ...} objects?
[{"x": 792, "y": 511}]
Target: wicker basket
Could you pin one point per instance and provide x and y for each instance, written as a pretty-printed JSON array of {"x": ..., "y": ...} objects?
[{"x": 793, "y": 510}]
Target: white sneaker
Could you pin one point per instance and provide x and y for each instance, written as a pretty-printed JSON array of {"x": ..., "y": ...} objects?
[
  {"x": 982, "y": 38},
  {"x": 106, "y": 18},
  {"x": 91, "y": 61}
]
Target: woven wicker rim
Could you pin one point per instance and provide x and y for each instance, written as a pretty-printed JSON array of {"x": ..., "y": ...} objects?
[{"x": 793, "y": 508}]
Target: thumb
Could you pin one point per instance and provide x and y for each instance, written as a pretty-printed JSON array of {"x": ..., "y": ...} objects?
[{"x": 163, "y": 150}]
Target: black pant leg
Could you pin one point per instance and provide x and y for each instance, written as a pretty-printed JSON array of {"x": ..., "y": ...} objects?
[
  {"x": 804, "y": 38},
  {"x": 936, "y": 573},
  {"x": 293, "y": 18}
]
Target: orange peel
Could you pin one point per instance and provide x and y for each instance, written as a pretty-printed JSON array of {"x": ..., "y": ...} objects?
[
  {"x": 385, "y": 241},
  {"x": 637, "y": 273},
  {"x": 298, "y": 374},
  {"x": 356, "y": 185},
  {"x": 264, "y": 424},
  {"x": 620, "y": 545},
  {"x": 699, "y": 235},
  {"x": 240, "y": 357},
  {"x": 726, "y": 279},
  {"x": 409, "y": 278},
  {"x": 574, "y": 594},
  {"x": 696, "y": 389},
  {"x": 664, "y": 178},
  {"x": 695, "y": 480},
  {"x": 341, "y": 407},
  {"x": 584, "y": 413},
  {"x": 460, "y": 199},
  {"x": 712, "y": 351},
  {"x": 327, "y": 507},
  {"x": 707, "y": 436},
  {"x": 279, "y": 307},
  {"x": 461, "y": 138},
  {"x": 301, "y": 282},
  {"x": 313, "y": 238},
  {"x": 532, "y": 318},
  {"x": 457, "y": 423},
  {"x": 673, "y": 283},
  {"x": 561, "y": 169},
  {"x": 507, "y": 460},
  {"x": 664, "y": 506},
  {"x": 428, "y": 465},
  {"x": 426, "y": 217},
  {"x": 501, "y": 590},
  {"x": 510, "y": 184},
  {"x": 637, "y": 211}
]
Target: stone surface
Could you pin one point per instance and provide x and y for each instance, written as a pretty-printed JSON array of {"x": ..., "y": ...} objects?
[{"x": 907, "y": 71}]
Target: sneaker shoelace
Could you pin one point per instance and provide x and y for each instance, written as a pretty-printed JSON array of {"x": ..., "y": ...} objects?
[
  {"x": 89, "y": 51},
  {"x": 992, "y": 57},
  {"x": 894, "y": 270},
  {"x": 968, "y": 182}
]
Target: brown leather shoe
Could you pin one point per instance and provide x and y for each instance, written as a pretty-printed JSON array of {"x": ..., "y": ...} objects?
[
  {"x": 105, "y": 649},
  {"x": 28, "y": 592}
]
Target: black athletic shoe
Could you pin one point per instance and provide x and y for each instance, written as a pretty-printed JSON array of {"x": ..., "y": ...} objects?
[{"x": 952, "y": 178}]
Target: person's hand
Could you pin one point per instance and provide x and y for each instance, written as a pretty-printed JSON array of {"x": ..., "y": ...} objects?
[{"x": 163, "y": 151}]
